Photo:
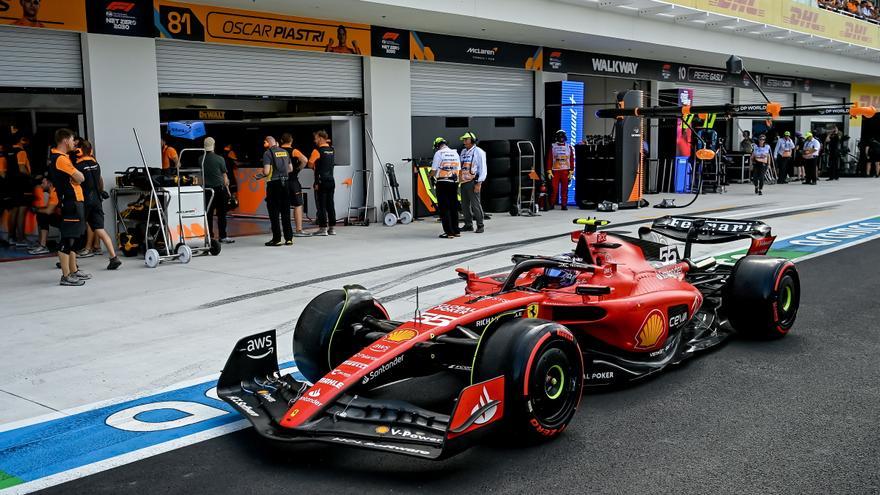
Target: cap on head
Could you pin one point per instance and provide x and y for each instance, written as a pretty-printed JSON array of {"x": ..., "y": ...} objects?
[
  {"x": 209, "y": 144},
  {"x": 786, "y": 134},
  {"x": 469, "y": 135},
  {"x": 808, "y": 135},
  {"x": 439, "y": 142}
]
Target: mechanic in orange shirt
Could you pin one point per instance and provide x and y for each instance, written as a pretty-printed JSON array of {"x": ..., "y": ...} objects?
[
  {"x": 67, "y": 180},
  {"x": 46, "y": 208},
  {"x": 169, "y": 156}
]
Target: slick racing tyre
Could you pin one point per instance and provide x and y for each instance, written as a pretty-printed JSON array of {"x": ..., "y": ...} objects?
[
  {"x": 323, "y": 336},
  {"x": 543, "y": 373},
  {"x": 498, "y": 188},
  {"x": 496, "y": 148},
  {"x": 497, "y": 205},
  {"x": 762, "y": 296},
  {"x": 498, "y": 167}
]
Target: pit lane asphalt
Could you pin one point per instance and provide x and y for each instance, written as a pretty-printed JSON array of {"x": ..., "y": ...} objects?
[{"x": 796, "y": 415}]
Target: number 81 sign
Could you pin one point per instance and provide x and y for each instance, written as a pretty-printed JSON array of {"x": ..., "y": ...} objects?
[{"x": 180, "y": 23}]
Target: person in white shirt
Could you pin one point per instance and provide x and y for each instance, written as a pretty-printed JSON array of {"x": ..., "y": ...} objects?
[
  {"x": 445, "y": 170},
  {"x": 473, "y": 174},
  {"x": 812, "y": 147},
  {"x": 760, "y": 161},
  {"x": 783, "y": 153}
]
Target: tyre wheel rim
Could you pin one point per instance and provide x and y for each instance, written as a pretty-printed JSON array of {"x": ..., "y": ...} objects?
[
  {"x": 786, "y": 298},
  {"x": 553, "y": 387},
  {"x": 787, "y": 302},
  {"x": 554, "y": 382}
]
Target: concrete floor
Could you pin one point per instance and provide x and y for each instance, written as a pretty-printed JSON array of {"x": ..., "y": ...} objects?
[{"x": 138, "y": 329}]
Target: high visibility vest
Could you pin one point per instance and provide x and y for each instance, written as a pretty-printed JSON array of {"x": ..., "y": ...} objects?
[
  {"x": 467, "y": 164},
  {"x": 561, "y": 154},
  {"x": 450, "y": 165}
]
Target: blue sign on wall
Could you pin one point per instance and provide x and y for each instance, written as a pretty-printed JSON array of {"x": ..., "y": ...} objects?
[{"x": 572, "y": 120}]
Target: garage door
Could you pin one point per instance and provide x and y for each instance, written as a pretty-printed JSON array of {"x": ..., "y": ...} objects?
[
  {"x": 40, "y": 58},
  {"x": 211, "y": 69},
  {"x": 827, "y": 100},
  {"x": 753, "y": 97},
  {"x": 440, "y": 89}
]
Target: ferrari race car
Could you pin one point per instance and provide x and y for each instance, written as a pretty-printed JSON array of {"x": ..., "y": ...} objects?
[{"x": 524, "y": 345}]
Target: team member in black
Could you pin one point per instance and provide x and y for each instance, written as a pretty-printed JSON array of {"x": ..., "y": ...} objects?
[
  {"x": 322, "y": 161},
  {"x": 293, "y": 185},
  {"x": 94, "y": 194},
  {"x": 67, "y": 180},
  {"x": 276, "y": 166},
  {"x": 217, "y": 180}
]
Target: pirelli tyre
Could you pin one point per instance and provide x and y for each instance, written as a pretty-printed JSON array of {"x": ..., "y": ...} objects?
[
  {"x": 543, "y": 373},
  {"x": 497, "y": 168},
  {"x": 497, "y": 188},
  {"x": 497, "y": 205},
  {"x": 323, "y": 336},
  {"x": 496, "y": 149},
  {"x": 762, "y": 296}
]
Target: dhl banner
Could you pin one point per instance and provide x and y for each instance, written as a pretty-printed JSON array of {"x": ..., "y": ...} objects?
[
  {"x": 864, "y": 95},
  {"x": 69, "y": 15},
  {"x": 796, "y": 16},
  {"x": 244, "y": 27}
]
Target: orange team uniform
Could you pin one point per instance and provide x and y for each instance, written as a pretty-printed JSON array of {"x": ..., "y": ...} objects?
[
  {"x": 63, "y": 164},
  {"x": 3, "y": 165},
  {"x": 40, "y": 197},
  {"x": 28, "y": 23},
  {"x": 169, "y": 154},
  {"x": 24, "y": 163}
]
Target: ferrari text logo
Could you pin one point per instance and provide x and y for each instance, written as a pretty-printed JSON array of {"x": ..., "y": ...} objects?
[{"x": 653, "y": 330}]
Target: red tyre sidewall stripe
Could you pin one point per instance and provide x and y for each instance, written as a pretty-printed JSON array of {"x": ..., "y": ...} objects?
[
  {"x": 785, "y": 268},
  {"x": 530, "y": 361}
]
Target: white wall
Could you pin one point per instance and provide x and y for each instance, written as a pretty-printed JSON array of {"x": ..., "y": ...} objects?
[
  {"x": 389, "y": 119},
  {"x": 121, "y": 93}
]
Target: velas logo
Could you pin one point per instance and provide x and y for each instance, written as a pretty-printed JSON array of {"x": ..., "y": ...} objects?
[
  {"x": 653, "y": 330},
  {"x": 259, "y": 347},
  {"x": 401, "y": 335},
  {"x": 803, "y": 18},
  {"x": 120, "y": 6},
  {"x": 739, "y": 6},
  {"x": 391, "y": 36}
]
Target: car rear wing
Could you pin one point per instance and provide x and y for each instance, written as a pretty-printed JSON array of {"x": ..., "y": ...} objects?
[{"x": 701, "y": 230}]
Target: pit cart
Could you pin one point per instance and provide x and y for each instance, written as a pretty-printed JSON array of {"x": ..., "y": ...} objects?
[{"x": 394, "y": 208}]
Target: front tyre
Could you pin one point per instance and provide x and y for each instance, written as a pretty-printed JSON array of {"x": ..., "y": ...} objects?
[
  {"x": 762, "y": 296},
  {"x": 543, "y": 374}
]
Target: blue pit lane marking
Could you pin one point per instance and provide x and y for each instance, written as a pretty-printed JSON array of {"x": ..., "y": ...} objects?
[
  {"x": 50, "y": 452},
  {"x": 45, "y": 449}
]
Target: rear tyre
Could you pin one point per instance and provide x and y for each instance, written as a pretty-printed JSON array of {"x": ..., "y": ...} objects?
[
  {"x": 762, "y": 296},
  {"x": 215, "y": 247},
  {"x": 543, "y": 373},
  {"x": 498, "y": 188},
  {"x": 322, "y": 338},
  {"x": 497, "y": 205}
]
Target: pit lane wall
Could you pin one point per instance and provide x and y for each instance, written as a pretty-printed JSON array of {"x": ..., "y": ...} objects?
[{"x": 794, "y": 15}]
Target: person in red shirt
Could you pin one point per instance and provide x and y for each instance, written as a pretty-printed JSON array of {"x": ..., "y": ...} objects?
[
  {"x": 560, "y": 166},
  {"x": 169, "y": 156},
  {"x": 67, "y": 180}
]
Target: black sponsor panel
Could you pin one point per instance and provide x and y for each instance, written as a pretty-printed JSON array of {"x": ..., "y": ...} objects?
[
  {"x": 121, "y": 17},
  {"x": 200, "y": 114},
  {"x": 557, "y": 60},
  {"x": 389, "y": 42},
  {"x": 443, "y": 48},
  {"x": 179, "y": 23}
]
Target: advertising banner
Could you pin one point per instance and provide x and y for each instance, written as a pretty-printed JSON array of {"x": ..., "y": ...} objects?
[
  {"x": 69, "y": 15},
  {"x": 571, "y": 121},
  {"x": 442, "y": 48},
  {"x": 124, "y": 18},
  {"x": 244, "y": 27},
  {"x": 390, "y": 42}
]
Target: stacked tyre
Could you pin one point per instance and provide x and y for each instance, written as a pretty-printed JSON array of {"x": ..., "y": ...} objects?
[{"x": 497, "y": 191}]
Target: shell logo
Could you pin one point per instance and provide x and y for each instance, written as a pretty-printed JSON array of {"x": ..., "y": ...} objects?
[
  {"x": 653, "y": 330},
  {"x": 401, "y": 335}
]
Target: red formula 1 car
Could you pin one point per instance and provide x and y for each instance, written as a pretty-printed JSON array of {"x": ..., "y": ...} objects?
[{"x": 525, "y": 344}]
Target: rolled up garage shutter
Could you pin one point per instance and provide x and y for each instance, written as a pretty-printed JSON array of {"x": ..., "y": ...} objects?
[
  {"x": 704, "y": 94},
  {"x": 442, "y": 89},
  {"x": 214, "y": 69},
  {"x": 753, "y": 97},
  {"x": 40, "y": 58}
]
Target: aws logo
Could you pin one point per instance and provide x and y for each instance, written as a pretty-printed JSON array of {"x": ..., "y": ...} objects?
[
  {"x": 259, "y": 347},
  {"x": 653, "y": 330}
]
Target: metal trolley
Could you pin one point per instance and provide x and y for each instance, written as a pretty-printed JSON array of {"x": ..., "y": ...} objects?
[
  {"x": 525, "y": 195},
  {"x": 177, "y": 221}
]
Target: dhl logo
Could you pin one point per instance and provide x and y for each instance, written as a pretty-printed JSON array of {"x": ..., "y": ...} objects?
[
  {"x": 856, "y": 32},
  {"x": 804, "y": 18},
  {"x": 739, "y": 6},
  {"x": 120, "y": 7},
  {"x": 391, "y": 36}
]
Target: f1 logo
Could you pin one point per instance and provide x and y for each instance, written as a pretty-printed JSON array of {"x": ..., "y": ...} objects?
[{"x": 120, "y": 7}]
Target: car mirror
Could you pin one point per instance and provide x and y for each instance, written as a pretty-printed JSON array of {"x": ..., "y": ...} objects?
[{"x": 592, "y": 290}]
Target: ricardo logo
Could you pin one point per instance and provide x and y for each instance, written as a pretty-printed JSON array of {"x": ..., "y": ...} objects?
[
  {"x": 803, "y": 18},
  {"x": 739, "y": 7},
  {"x": 653, "y": 330},
  {"x": 401, "y": 335}
]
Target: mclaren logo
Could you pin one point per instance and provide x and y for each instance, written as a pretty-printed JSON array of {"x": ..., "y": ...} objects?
[{"x": 653, "y": 330}]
